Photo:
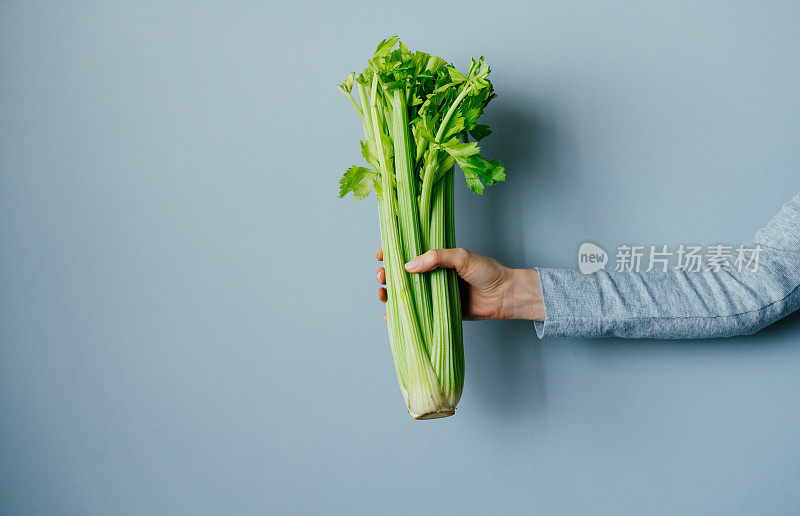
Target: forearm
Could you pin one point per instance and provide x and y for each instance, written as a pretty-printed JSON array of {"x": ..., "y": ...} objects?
[{"x": 523, "y": 298}]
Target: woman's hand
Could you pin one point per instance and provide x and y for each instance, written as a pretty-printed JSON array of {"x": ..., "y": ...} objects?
[{"x": 489, "y": 289}]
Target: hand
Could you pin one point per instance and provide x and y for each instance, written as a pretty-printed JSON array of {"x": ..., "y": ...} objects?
[{"x": 489, "y": 289}]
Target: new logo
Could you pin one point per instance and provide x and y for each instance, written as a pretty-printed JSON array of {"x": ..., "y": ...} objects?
[{"x": 591, "y": 258}]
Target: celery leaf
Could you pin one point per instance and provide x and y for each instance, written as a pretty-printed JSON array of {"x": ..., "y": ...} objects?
[{"x": 357, "y": 180}]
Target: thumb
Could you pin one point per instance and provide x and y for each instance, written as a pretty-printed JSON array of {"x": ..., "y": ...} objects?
[{"x": 457, "y": 259}]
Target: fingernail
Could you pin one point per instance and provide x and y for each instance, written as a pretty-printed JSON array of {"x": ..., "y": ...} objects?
[{"x": 412, "y": 265}]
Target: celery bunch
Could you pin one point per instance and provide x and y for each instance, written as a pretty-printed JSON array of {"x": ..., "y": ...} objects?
[{"x": 418, "y": 113}]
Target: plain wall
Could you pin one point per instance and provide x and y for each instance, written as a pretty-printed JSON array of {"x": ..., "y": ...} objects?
[{"x": 188, "y": 321}]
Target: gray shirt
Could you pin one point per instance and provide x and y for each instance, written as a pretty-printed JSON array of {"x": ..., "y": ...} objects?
[{"x": 678, "y": 304}]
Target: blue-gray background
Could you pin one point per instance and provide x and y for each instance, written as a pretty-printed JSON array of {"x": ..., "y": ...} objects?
[{"x": 188, "y": 320}]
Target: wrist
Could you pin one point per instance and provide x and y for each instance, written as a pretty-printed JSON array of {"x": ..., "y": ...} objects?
[{"x": 524, "y": 299}]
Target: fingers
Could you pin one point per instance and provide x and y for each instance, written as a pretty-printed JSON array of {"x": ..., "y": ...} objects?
[
  {"x": 457, "y": 259},
  {"x": 380, "y": 275}
]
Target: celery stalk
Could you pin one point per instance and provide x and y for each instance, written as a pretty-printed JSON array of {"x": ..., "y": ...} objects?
[
  {"x": 409, "y": 212},
  {"x": 416, "y": 112}
]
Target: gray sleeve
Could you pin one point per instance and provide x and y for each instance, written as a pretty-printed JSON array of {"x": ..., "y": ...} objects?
[{"x": 678, "y": 304}]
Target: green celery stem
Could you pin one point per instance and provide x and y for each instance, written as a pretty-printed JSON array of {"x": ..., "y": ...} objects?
[
  {"x": 442, "y": 357},
  {"x": 408, "y": 208},
  {"x": 453, "y": 287}
]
